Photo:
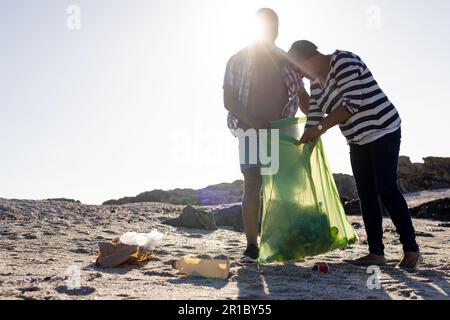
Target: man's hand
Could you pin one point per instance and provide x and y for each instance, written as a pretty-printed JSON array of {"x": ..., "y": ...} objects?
[{"x": 310, "y": 135}]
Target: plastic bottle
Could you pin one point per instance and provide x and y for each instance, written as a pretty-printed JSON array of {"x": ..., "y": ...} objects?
[{"x": 207, "y": 268}]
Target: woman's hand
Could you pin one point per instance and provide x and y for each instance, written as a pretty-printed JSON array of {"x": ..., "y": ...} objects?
[{"x": 310, "y": 135}]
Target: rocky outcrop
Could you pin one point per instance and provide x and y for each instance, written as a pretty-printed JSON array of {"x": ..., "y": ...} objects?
[
  {"x": 435, "y": 210},
  {"x": 193, "y": 218},
  {"x": 434, "y": 173},
  {"x": 64, "y": 200},
  {"x": 223, "y": 193}
]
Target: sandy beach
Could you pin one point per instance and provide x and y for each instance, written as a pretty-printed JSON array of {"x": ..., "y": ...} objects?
[{"x": 42, "y": 241}]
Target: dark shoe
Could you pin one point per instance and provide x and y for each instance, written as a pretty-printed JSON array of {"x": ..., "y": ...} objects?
[
  {"x": 369, "y": 260},
  {"x": 410, "y": 261},
  {"x": 250, "y": 255}
]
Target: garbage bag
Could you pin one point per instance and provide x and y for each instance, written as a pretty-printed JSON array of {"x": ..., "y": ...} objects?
[{"x": 302, "y": 211}]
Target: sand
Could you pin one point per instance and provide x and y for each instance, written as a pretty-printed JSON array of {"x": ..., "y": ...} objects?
[{"x": 43, "y": 244}]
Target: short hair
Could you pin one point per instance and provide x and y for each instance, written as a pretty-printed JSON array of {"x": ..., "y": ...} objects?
[
  {"x": 269, "y": 14},
  {"x": 303, "y": 50}
]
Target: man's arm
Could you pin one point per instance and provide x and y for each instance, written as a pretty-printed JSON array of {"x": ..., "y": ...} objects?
[{"x": 231, "y": 103}]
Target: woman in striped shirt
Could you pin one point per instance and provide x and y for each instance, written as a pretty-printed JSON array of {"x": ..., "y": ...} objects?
[{"x": 343, "y": 88}]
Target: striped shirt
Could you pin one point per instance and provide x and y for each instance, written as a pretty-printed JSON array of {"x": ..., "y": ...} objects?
[
  {"x": 239, "y": 73},
  {"x": 351, "y": 84}
]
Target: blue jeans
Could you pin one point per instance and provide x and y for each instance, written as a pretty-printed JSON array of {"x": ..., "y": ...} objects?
[{"x": 375, "y": 170}]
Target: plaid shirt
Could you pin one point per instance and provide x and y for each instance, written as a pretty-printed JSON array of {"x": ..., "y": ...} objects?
[{"x": 238, "y": 74}]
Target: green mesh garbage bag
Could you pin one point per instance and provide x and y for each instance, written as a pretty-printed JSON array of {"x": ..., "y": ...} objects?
[{"x": 302, "y": 211}]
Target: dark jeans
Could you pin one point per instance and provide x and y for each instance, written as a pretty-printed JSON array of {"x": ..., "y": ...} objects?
[{"x": 375, "y": 171}]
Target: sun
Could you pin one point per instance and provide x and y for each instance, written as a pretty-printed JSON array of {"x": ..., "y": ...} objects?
[{"x": 240, "y": 26}]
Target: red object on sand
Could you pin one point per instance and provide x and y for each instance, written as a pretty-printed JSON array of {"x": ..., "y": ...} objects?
[{"x": 322, "y": 267}]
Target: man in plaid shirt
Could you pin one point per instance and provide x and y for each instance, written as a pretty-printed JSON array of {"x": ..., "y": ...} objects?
[{"x": 259, "y": 86}]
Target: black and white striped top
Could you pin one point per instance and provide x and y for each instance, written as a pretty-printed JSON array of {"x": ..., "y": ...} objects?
[{"x": 351, "y": 84}]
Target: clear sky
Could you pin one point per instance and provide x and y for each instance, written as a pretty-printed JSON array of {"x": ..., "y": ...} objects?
[{"x": 132, "y": 101}]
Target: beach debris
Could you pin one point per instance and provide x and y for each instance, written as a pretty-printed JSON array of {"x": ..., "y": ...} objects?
[
  {"x": 204, "y": 268},
  {"x": 321, "y": 267},
  {"x": 131, "y": 248},
  {"x": 193, "y": 218},
  {"x": 148, "y": 241}
]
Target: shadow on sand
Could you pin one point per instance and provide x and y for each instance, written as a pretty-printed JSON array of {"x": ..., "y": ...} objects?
[
  {"x": 293, "y": 281},
  {"x": 423, "y": 286},
  {"x": 201, "y": 282},
  {"x": 121, "y": 270}
]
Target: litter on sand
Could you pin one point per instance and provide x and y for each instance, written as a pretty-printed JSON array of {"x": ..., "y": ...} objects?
[
  {"x": 130, "y": 249},
  {"x": 146, "y": 240},
  {"x": 205, "y": 268}
]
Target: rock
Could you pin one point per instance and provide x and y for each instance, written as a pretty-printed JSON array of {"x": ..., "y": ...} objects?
[
  {"x": 346, "y": 186},
  {"x": 193, "y": 218},
  {"x": 433, "y": 174},
  {"x": 444, "y": 225},
  {"x": 29, "y": 236},
  {"x": 353, "y": 208},
  {"x": 357, "y": 225},
  {"x": 83, "y": 291},
  {"x": 229, "y": 217},
  {"x": 223, "y": 193},
  {"x": 437, "y": 210},
  {"x": 29, "y": 289},
  {"x": 80, "y": 251}
]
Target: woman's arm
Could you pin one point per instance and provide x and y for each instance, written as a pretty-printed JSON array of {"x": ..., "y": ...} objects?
[{"x": 339, "y": 115}]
